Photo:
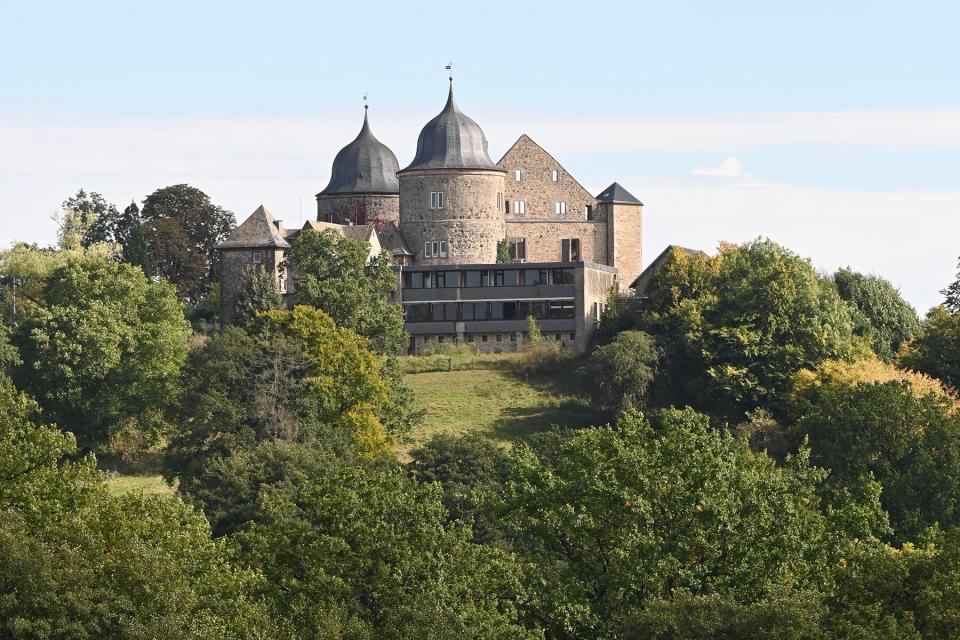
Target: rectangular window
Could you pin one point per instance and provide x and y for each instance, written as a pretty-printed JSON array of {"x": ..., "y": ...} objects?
[
  {"x": 560, "y": 207},
  {"x": 443, "y": 248},
  {"x": 563, "y": 276},
  {"x": 554, "y": 175},
  {"x": 440, "y": 198},
  {"x": 570, "y": 250},
  {"x": 473, "y": 278},
  {"x": 573, "y": 336},
  {"x": 499, "y": 201},
  {"x": 511, "y": 278},
  {"x": 588, "y": 211},
  {"x": 498, "y": 278},
  {"x": 258, "y": 257},
  {"x": 484, "y": 278},
  {"x": 427, "y": 249},
  {"x": 483, "y": 338},
  {"x": 499, "y": 337},
  {"x": 518, "y": 248},
  {"x": 560, "y": 309},
  {"x": 517, "y": 174},
  {"x": 435, "y": 249},
  {"x": 417, "y": 312},
  {"x": 469, "y": 337},
  {"x": 519, "y": 206},
  {"x": 513, "y": 337},
  {"x": 436, "y": 199},
  {"x": 439, "y": 279},
  {"x": 523, "y": 206}
]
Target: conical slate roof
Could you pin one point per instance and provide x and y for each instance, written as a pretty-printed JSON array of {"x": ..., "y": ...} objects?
[
  {"x": 452, "y": 140},
  {"x": 366, "y": 165},
  {"x": 616, "y": 193},
  {"x": 258, "y": 230}
]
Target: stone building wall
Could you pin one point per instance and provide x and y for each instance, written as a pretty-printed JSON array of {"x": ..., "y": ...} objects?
[
  {"x": 595, "y": 282},
  {"x": 536, "y": 186},
  {"x": 469, "y": 221},
  {"x": 543, "y": 239},
  {"x": 376, "y": 209},
  {"x": 233, "y": 263},
  {"x": 625, "y": 240}
]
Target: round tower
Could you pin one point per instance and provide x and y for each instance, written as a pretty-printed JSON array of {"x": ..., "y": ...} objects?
[
  {"x": 363, "y": 186},
  {"x": 451, "y": 195}
]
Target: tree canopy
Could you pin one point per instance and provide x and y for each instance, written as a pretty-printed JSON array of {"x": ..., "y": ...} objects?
[{"x": 336, "y": 275}]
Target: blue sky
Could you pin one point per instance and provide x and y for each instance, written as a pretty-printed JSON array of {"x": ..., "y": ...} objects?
[{"x": 833, "y": 128}]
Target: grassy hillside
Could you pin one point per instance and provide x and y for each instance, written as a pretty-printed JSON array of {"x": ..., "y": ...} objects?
[{"x": 487, "y": 394}]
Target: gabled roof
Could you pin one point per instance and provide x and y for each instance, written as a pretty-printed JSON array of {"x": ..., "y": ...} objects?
[
  {"x": 525, "y": 139},
  {"x": 258, "y": 230},
  {"x": 392, "y": 240},
  {"x": 640, "y": 284},
  {"x": 618, "y": 195}
]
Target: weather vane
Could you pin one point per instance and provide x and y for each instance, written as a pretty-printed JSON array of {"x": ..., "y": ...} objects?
[
  {"x": 365, "y": 105},
  {"x": 450, "y": 69}
]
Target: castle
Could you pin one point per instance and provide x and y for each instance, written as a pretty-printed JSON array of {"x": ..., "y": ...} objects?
[{"x": 441, "y": 219}]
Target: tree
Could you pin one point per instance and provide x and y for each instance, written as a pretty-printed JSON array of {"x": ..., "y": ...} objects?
[
  {"x": 258, "y": 292},
  {"x": 735, "y": 329},
  {"x": 76, "y": 562},
  {"x": 102, "y": 350},
  {"x": 182, "y": 228},
  {"x": 93, "y": 216},
  {"x": 909, "y": 443},
  {"x": 471, "y": 470},
  {"x": 338, "y": 277},
  {"x": 294, "y": 376},
  {"x": 882, "y": 315},
  {"x": 952, "y": 294},
  {"x": 503, "y": 252},
  {"x": 369, "y": 550},
  {"x": 608, "y": 519},
  {"x": 620, "y": 372},
  {"x": 936, "y": 351}
]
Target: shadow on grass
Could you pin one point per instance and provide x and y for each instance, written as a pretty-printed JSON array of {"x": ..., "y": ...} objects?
[{"x": 518, "y": 423}]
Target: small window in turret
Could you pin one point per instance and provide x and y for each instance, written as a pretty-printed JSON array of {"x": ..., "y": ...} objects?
[{"x": 436, "y": 199}]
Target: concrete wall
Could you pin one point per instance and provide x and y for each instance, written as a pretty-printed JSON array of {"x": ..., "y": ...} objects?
[
  {"x": 376, "y": 209},
  {"x": 469, "y": 220},
  {"x": 536, "y": 186},
  {"x": 543, "y": 239}
]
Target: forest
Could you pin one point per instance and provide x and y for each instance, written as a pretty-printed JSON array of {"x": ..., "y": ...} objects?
[{"x": 766, "y": 451}]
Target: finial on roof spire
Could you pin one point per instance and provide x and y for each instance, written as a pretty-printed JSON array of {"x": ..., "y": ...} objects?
[{"x": 450, "y": 69}]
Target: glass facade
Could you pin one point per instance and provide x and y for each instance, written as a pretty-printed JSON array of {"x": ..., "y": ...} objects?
[{"x": 487, "y": 278}]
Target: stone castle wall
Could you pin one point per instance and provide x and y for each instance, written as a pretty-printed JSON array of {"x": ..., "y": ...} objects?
[
  {"x": 543, "y": 239},
  {"x": 469, "y": 220},
  {"x": 625, "y": 243},
  {"x": 233, "y": 264},
  {"x": 536, "y": 186},
  {"x": 376, "y": 209}
]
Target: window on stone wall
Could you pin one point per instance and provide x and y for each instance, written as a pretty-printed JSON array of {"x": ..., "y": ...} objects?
[
  {"x": 517, "y": 174},
  {"x": 443, "y": 249},
  {"x": 499, "y": 201},
  {"x": 258, "y": 257},
  {"x": 436, "y": 199},
  {"x": 588, "y": 211},
  {"x": 554, "y": 175},
  {"x": 560, "y": 207},
  {"x": 518, "y": 248},
  {"x": 570, "y": 250},
  {"x": 519, "y": 206}
]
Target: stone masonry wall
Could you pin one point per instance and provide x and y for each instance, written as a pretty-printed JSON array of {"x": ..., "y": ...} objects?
[
  {"x": 536, "y": 186},
  {"x": 469, "y": 220},
  {"x": 233, "y": 263},
  {"x": 543, "y": 239},
  {"x": 625, "y": 241},
  {"x": 376, "y": 209}
]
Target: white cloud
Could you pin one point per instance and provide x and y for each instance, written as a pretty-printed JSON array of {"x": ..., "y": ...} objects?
[{"x": 727, "y": 168}]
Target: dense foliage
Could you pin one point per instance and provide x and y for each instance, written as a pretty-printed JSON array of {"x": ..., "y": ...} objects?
[
  {"x": 881, "y": 315},
  {"x": 336, "y": 275},
  {"x": 101, "y": 349},
  {"x": 936, "y": 351}
]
